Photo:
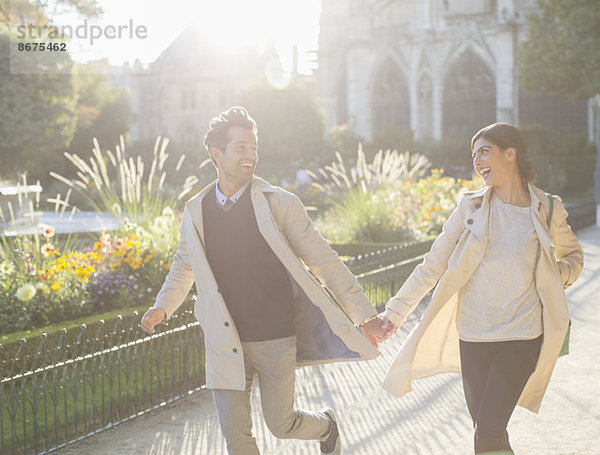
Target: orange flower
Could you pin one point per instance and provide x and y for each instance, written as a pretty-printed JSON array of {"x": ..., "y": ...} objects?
[
  {"x": 48, "y": 249},
  {"x": 47, "y": 231},
  {"x": 118, "y": 243}
]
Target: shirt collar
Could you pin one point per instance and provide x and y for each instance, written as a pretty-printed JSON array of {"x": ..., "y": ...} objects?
[{"x": 221, "y": 198}]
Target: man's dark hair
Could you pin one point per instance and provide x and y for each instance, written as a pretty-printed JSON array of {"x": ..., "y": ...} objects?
[{"x": 218, "y": 128}]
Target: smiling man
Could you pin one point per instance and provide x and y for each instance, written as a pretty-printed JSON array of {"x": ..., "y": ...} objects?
[{"x": 263, "y": 272}]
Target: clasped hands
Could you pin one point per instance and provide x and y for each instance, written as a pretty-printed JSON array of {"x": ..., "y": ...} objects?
[
  {"x": 378, "y": 329},
  {"x": 375, "y": 330}
]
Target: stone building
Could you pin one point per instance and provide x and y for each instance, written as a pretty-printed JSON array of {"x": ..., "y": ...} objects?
[
  {"x": 192, "y": 80},
  {"x": 439, "y": 68}
]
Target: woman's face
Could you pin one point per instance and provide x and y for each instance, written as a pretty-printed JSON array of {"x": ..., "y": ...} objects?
[{"x": 494, "y": 165}]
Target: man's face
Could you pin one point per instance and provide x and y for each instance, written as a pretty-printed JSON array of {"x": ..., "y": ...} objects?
[{"x": 237, "y": 162}]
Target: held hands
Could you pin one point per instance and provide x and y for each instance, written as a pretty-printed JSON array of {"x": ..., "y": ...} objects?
[
  {"x": 151, "y": 318},
  {"x": 378, "y": 329}
]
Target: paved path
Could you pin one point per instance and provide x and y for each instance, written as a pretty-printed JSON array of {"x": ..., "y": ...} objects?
[{"x": 430, "y": 420}]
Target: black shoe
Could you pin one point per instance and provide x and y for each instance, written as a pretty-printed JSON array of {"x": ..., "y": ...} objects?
[{"x": 333, "y": 444}]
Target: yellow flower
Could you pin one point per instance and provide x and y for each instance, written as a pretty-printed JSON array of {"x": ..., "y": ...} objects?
[
  {"x": 83, "y": 273},
  {"x": 55, "y": 286},
  {"x": 25, "y": 292}
]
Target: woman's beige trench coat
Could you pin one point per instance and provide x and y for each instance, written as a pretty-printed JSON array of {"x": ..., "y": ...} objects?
[
  {"x": 433, "y": 345},
  {"x": 324, "y": 332}
]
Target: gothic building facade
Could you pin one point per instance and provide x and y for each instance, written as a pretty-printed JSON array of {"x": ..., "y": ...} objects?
[
  {"x": 188, "y": 84},
  {"x": 439, "y": 68}
]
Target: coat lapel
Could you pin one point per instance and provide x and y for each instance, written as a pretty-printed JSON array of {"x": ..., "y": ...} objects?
[
  {"x": 478, "y": 213},
  {"x": 539, "y": 211},
  {"x": 194, "y": 206}
]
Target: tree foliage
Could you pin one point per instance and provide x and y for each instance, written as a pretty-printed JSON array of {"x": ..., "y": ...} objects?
[
  {"x": 40, "y": 11},
  {"x": 37, "y": 116},
  {"x": 103, "y": 112},
  {"x": 562, "y": 53},
  {"x": 290, "y": 127}
]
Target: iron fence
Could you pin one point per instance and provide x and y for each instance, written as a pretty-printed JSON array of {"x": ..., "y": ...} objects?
[
  {"x": 101, "y": 382},
  {"x": 382, "y": 283},
  {"x": 387, "y": 256}
]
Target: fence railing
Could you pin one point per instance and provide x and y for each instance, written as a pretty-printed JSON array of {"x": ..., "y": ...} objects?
[
  {"x": 387, "y": 256},
  {"x": 108, "y": 377},
  {"x": 53, "y": 393}
]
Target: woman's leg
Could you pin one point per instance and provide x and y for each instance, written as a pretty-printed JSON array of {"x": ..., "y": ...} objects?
[
  {"x": 512, "y": 364},
  {"x": 475, "y": 359}
]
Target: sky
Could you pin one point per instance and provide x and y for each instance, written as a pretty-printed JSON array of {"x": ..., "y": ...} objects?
[{"x": 230, "y": 22}]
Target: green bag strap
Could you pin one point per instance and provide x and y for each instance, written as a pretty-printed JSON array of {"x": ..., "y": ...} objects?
[{"x": 549, "y": 220}]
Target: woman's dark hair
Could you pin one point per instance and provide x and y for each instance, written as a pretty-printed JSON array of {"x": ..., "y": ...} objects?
[
  {"x": 218, "y": 128},
  {"x": 506, "y": 136}
]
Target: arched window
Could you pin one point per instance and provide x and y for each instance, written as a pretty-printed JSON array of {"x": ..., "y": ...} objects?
[
  {"x": 391, "y": 108},
  {"x": 425, "y": 104},
  {"x": 469, "y": 97}
]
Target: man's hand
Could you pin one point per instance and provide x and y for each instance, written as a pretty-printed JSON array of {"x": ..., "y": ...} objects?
[
  {"x": 378, "y": 329},
  {"x": 151, "y": 318},
  {"x": 373, "y": 331}
]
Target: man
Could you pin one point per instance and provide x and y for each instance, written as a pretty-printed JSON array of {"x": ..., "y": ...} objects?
[{"x": 247, "y": 246}]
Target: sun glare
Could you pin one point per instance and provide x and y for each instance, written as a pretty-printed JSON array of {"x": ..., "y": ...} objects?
[
  {"x": 222, "y": 24},
  {"x": 231, "y": 24}
]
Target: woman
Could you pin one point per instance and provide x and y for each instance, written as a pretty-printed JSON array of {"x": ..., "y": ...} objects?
[{"x": 499, "y": 312}]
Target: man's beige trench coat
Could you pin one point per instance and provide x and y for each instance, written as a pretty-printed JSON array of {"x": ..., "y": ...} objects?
[
  {"x": 324, "y": 331},
  {"x": 433, "y": 345}
]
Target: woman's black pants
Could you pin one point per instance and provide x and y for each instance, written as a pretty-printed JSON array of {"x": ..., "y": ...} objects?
[{"x": 494, "y": 375}]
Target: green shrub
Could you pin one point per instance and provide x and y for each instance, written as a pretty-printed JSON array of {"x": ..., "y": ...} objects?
[
  {"x": 362, "y": 217},
  {"x": 388, "y": 200}
]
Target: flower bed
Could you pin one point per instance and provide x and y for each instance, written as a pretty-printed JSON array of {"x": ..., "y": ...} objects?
[{"x": 40, "y": 285}]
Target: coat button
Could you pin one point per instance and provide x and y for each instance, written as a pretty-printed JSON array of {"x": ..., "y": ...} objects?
[
  {"x": 469, "y": 221},
  {"x": 235, "y": 350},
  {"x": 226, "y": 324},
  {"x": 478, "y": 205}
]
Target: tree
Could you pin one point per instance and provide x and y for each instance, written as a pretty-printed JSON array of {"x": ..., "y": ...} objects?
[
  {"x": 37, "y": 111},
  {"x": 103, "y": 112},
  {"x": 562, "y": 55},
  {"x": 290, "y": 127},
  {"x": 39, "y": 11},
  {"x": 37, "y": 115}
]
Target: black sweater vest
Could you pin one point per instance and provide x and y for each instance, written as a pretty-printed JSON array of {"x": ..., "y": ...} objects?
[{"x": 254, "y": 283}]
